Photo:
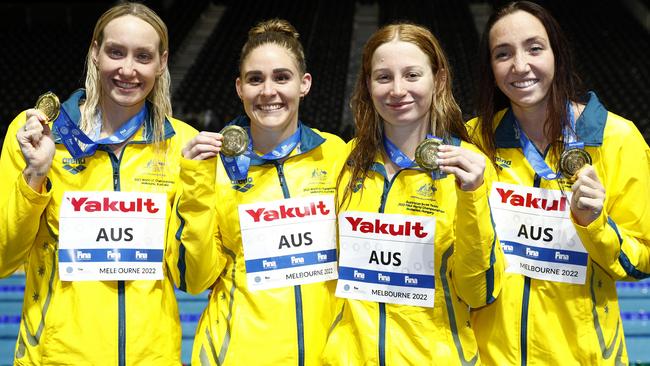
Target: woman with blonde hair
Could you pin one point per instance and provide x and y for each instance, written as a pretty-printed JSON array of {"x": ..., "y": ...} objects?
[
  {"x": 87, "y": 189},
  {"x": 263, "y": 241},
  {"x": 417, "y": 246}
]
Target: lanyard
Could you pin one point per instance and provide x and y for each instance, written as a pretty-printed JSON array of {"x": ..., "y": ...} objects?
[
  {"x": 72, "y": 136},
  {"x": 535, "y": 158},
  {"x": 237, "y": 166},
  {"x": 404, "y": 162}
]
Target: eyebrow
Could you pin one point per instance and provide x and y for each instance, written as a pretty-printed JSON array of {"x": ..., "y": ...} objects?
[
  {"x": 406, "y": 68},
  {"x": 275, "y": 71},
  {"x": 139, "y": 49},
  {"x": 526, "y": 41}
]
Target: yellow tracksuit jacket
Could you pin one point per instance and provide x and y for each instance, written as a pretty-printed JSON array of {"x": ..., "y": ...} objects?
[
  {"x": 87, "y": 322},
  {"x": 538, "y": 322},
  {"x": 281, "y": 326},
  {"x": 468, "y": 269}
]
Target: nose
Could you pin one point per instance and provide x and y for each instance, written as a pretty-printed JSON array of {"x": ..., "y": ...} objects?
[
  {"x": 128, "y": 67},
  {"x": 397, "y": 90},
  {"x": 268, "y": 88},
  {"x": 520, "y": 63}
]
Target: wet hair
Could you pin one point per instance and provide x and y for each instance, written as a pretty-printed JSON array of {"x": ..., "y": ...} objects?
[
  {"x": 279, "y": 32},
  {"x": 159, "y": 95},
  {"x": 445, "y": 114},
  {"x": 565, "y": 87}
]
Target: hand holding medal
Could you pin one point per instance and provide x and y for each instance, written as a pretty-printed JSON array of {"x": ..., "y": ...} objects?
[
  {"x": 588, "y": 196},
  {"x": 468, "y": 166},
  {"x": 203, "y": 146},
  {"x": 35, "y": 139}
]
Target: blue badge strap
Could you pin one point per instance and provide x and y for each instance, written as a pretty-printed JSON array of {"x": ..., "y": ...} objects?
[
  {"x": 401, "y": 160},
  {"x": 396, "y": 155},
  {"x": 570, "y": 138},
  {"x": 71, "y": 135},
  {"x": 535, "y": 158},
  {"x": 237, "y": 167}
]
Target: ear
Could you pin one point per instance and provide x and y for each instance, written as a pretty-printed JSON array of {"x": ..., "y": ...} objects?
[
  {"x": 163, "y": 63},
  {"x": 238, "y": 87},
  {"x": 305, "y": 84},
  {"x": 95, "y": 53}
]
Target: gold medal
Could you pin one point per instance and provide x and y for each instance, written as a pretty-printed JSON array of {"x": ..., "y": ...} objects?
[
  {"x": 48, "y": 103},
  {"x": 426, "y": 154},
  {"x": 572, "y": 160},
  {"x": 235, "y": 140}
]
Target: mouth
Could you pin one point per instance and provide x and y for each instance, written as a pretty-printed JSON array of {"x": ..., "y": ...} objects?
[
  {"x": 399, "y": 105},
  {"x": 126, "y": 85},
  {"x": 271, "y": 107},
  {"x": 522, "y": 84}
]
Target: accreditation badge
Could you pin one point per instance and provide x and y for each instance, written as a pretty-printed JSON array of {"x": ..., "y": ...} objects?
[
  {"x": 386, "y": 258},
  {"x": 289, "y": 242},
  {"x": 111, "y": 236},
  {"x": 536, "y": 233}
]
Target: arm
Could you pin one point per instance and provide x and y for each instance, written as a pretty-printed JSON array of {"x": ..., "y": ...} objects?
[
  {"x": 617, "y": 234},
  {"x": 477, "y": 263},
  {"x": 21, "y": 203},
  {"x": 193, "y": 235}
]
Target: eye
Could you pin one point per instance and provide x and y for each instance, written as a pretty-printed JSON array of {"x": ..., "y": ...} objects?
[
  {"x": 413, "y": 76},
  {"x": 115, "y": 53},
  {"x": 501, "y": 55},
  {"x": 145, "y": 57},
  {"x": 536, "y": 49},
  {"x": 254, "y": 80},
  {"x": 282, "y": 77},
  {"x": 382, "y": 78}
]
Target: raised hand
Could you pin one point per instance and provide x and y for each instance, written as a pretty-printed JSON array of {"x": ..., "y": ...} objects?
[
  {"x": 203, "y": 146},
  {"x": 468, "y": 166},
  {"x": 37, "y": 147},
  {"x": 588, "y": 196}
]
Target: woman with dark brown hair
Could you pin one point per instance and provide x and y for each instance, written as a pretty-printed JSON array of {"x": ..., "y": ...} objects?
[{"x": 566, "y": 204}]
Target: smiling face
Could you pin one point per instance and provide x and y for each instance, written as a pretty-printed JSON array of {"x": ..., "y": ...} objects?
[
  {"x": 401, "y": 84},
  {"x": 522, "y": 60},
  {"x": 128, "y": 62},
  {"x": 270, "y": 87}
]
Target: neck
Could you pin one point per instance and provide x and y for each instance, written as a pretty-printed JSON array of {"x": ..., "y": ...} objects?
[
  {"x": 265, "y": 140},
  {"x": 113, "y": 118},
  {"x": 531, "y": 120},
  {"x": 406, "y": 138}
]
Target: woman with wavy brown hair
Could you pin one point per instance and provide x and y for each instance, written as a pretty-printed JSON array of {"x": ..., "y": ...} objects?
[{"x": 417, "y": 246}]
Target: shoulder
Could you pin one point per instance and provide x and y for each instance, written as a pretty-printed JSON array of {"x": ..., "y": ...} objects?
[
  {"x": 182, "y": 130},
  {"x": 331, "y": 140}
]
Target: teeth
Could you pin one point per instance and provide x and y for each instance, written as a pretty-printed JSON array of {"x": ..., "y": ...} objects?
[
  {"x": 125, "y": 85},
  {"x": 524, "y": 84},
  {"x": 270, "y": 107}
]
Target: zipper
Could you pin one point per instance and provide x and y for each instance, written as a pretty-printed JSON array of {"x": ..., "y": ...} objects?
[{"x": 296, "y": 289}]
